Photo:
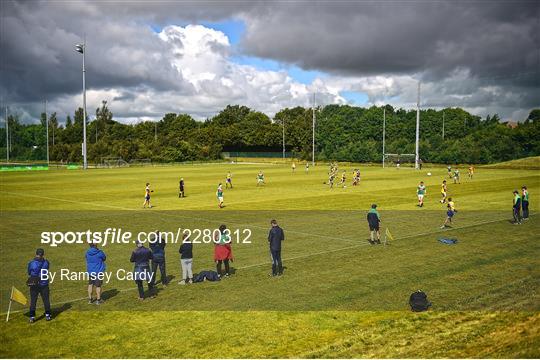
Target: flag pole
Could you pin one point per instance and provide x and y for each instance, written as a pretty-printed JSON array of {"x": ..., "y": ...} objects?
[{"x": 9, "y": 307}]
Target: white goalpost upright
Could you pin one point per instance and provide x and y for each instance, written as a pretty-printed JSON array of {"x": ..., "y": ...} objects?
[{"x": 417, "y": 154}]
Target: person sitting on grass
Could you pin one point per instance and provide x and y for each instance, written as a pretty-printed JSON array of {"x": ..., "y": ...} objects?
[
  {"x": 222, "y": 250},
  {"x": 95, "y": 265},
  {"x": 450, "y": 212},
  {"x": 38, "y": 285},
  {"x": 186, "y": 259},
  {"x": 374, "y": 220},
  {"x": 141, "y": 256}
]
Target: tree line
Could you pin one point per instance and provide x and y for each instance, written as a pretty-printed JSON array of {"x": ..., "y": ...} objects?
[{"x": 343, "y": 132}]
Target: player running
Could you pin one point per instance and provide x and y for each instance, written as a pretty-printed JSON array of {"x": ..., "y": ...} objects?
[
  {"x": 356, "y": 177},
  {"x": 307, "y": 167},
  {"x": 331, "y": 178},
  {"x": 228, "y": 181},
  {"x": 343, "y": 179},
  {"x": 456, "y": 177},
  {"x": 444, "y": 192},
  {"x": 420, "y": 192},
  {"x": 449, "y": 171},
  {"x": 147, "y": 192},
  {"x": 219, "y": 194},
  {"x": 293, "y": 166},
  {"x": 260, "y": 178},
  {"x": 471, "y": 172},
  {"x": 450, "y": 212}
]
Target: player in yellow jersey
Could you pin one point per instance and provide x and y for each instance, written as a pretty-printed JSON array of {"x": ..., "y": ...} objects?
[
  {"x": 147, "y": 192},
  {"x": 471, "y": 172},
  {"x": 450, "y": 212},
  {"x": 444, "y": 192}
]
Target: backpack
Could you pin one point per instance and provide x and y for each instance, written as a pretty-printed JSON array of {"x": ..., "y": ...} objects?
[
  {"x": 419, "y": 301},
  {"x": 207, "y": 275}
]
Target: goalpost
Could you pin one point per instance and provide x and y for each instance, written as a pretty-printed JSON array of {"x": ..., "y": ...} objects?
[{"x": 408, "y": 159}]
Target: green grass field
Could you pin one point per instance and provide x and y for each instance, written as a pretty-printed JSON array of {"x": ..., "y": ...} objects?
[{"x": 339, "y": 297}]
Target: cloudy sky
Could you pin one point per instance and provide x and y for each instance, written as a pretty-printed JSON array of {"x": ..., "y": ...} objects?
[{"x": 150, "y": 58}]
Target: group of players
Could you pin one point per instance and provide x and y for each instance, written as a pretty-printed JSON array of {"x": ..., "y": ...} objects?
[{"x": 520, "y": 201}]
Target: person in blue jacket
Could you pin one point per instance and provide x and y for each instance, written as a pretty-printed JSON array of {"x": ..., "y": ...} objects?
[
  {"x": 95, "y": 266},
  {"x": 157, "y": 245},
  {"x": 38, "y": 282},
  {"x": 141, "y": 256}
]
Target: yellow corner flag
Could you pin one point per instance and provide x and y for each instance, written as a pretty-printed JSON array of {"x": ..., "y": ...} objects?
[
  {"x": 388, "y": 235},
  {"x": 16, "y": 296}
]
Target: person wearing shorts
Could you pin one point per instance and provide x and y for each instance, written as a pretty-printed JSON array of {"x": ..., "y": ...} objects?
[
  {"x": 374, "y": 219},
  {"x": 147, "y": 192},
  {"x": 260, "y": 178},
  {"x": 95, "y": 266},
  {"x": 219, "y": 194},
  {"x": 420, "y": 192},
  {"x": 450, "y": 212},
  {"x": 228, "y": 181},
  {"x": 444, "y": 191}
]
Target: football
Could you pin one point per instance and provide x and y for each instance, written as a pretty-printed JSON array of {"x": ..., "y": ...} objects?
[{"x": 428, "y": 174}]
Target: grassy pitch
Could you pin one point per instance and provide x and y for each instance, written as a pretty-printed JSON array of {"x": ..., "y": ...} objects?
[{"x": 339, "y": 297}]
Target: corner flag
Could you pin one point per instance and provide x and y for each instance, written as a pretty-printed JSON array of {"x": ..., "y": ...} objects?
[
  {"x": 16, "y": 296},
  {"x": 388, "y": 236}
]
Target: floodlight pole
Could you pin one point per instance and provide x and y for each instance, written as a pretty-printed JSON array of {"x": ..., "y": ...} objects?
[
  {"x": 313, "y": 135},
  {"x": 81, "y": 48},
  {"x": 443, "y": 124},
  {"x": 283, "y": 128},
  {"x": 383, "y": 134},
  {"x": 7, "y": 136},
  {"x": 417, "y": 155},
  {"x": 47, "y": 131}
]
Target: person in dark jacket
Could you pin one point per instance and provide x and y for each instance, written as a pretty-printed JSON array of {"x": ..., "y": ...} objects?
[
  {"x": 186, "y": 260},
  {"x": 157, "y": 245},
  {"x": 37, "y": 270},
  {"x": 141, "y": 256},
  {"x": 222, "y": 250},
  {"x": 95, "y": 265},
  {"x": 181, "y": 188},
  {"x": 275, "y": 237},
  {"x": 525, "y": 202},
  {"x": 374, "y": 219},
  {"x": 516, "y": 208}
]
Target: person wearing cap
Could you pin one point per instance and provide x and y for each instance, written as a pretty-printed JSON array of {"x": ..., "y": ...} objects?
[
  {"x": 95, "y": 265},
  {"x": 38, "y": 282},
  {"x": 374, "y": 219},
  {"x": 157, "y": 245},
  {"x": 275, "y": 237},
  {"x": 525, "y": 202},
  {"x": 516, "y": 207},
  {"x": 141, "y": 256}
]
